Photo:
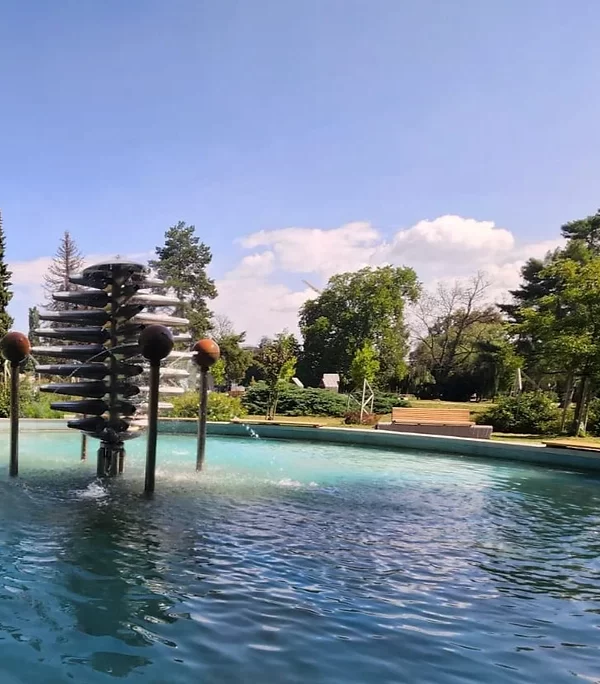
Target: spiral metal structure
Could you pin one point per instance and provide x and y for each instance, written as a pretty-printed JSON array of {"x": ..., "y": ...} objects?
[{"x": 103, "y": 366}]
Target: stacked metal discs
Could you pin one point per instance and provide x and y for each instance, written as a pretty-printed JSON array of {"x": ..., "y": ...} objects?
[{"x": 103, "y": 367}]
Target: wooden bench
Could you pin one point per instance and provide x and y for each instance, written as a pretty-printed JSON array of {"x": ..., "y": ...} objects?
[{"x": 427, "y": 416}]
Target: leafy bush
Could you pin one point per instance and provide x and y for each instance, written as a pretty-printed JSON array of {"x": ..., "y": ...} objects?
[
  {"x": 527, "y": 413},
  {"x": 32, "y": 402},
  {"x": 220, "y": 406},
  {"x": 39, "y": 407},
  {"x": 295, "y": 401},
  {"x": 386, "y": 401}
]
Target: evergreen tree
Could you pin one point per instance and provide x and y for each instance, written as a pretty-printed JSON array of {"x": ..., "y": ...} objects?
[
  {"x": 67, "y": 262},
  {"x": 5, "y": 293},
  {"x": 181, "y": 262},
  {"x": 586, "y": 231}
]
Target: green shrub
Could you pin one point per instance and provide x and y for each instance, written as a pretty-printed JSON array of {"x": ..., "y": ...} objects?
[
  {"x": 32, "y": 402},
  {"x": 527, "y": 413},
  {"x": 39, "y": 407},
  {"x": 386, "y": 401},
  {"x": 220, "y": 406},
  {"x": 295, "y": 401}
]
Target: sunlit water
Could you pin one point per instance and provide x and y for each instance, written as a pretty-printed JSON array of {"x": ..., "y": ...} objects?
[{"x": 293, "y": 562}]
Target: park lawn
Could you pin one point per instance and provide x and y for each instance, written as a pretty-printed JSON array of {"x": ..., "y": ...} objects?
[
  {"x": 324, "y": 421},
  {"x": 474, "y": 406}
]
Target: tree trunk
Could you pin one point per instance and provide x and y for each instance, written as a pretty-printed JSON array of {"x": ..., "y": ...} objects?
[
  {"x": 567, "y": 399},
  {"x": 274, "y": 407},
  {"x": 586, "y": 408},
  {"x": 580, "y": 409}
]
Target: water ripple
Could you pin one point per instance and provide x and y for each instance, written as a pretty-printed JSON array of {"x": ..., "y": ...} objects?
[{"x": 298, "y": 562}]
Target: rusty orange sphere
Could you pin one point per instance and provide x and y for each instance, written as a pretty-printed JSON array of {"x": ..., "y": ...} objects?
[
  {"x": 206, "y": 353},
  {"x": 15, "y": 347}
]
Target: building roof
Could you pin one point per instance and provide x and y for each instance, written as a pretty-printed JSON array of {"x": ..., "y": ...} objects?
[{"x": 331, "y": 379}]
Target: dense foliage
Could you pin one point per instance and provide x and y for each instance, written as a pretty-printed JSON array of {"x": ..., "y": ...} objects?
[
  {"x": 278, "y": 359},
  {"x": 357, "y": 308},
  {"x": 526, "y": 413},
  {"x": 181, "y": 262},
  {"x": 32, "y": 403},
  {"x": 220, "y": 406},
  {"x": 463, "y": 345},
  {"x": 295, "y": 401},
  {"x": 556, "y": 319},
  {"x": 385, "y": 401}
]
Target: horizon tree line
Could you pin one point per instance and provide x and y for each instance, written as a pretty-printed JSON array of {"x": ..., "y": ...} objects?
[{"x": 457, "y": 344}]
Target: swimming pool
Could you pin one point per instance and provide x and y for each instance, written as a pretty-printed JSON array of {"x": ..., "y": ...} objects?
[{"x": 296, "y": 562}]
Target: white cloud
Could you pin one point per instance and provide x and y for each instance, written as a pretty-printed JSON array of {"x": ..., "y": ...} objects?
[
  {"x": 314, "y": 250},
  {"x": 250, "y": 266},
  {"x": 443, "y": 249},
  {"x": 264, "y": 291}
]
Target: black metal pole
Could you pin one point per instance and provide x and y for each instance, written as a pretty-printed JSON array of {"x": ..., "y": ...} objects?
[
  {"x": 83, "y": 447},
  {"x": 152, "y": 427},
  {"x": 14, "y": 419},
  {"x": 202, "y": 409}
]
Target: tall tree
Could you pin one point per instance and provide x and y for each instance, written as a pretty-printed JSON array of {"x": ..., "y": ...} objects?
[
  {"x": 181, "y": 262},
  {"x": 278, "y": 359},
  {"x": 564, "y": 326},
  {"x": 549, "y": 322},
  {"x": 585, "y": 231},
  {"x": 450, "y": 323},
  {"x": 367, "y": 305},
  {"x": 67, "y": 261},
  {"x": 5, "y": 293}
]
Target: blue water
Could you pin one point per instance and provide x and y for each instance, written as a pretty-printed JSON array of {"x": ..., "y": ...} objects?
[{"x": 293, "y": 562}]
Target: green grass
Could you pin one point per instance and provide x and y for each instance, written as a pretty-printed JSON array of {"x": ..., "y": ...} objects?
[
  {"x": 317, "y": 420},
  {"x": 473, "y": 406}
]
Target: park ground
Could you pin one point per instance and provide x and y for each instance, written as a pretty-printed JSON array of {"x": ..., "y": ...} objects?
[{"x": 474, "y": 407}]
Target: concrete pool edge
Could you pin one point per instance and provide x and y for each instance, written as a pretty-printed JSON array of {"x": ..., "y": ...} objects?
[
  {"x": 484, "y": 448},
  {"x": 579, "y": 459}
]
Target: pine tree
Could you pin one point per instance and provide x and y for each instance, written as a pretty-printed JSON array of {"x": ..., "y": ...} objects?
[
  {"x": 182, "y": 263},
  {"x": 5, "y": 293},
  {"x": 67, "y": 262}
]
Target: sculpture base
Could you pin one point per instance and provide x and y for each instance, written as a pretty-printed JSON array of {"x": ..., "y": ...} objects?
[{"x": 110, "y": 459}]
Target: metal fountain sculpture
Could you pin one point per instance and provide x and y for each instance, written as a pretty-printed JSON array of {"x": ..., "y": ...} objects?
[
  {"x": 106, "y": 360},
  {"x": 117, "y": 346}
]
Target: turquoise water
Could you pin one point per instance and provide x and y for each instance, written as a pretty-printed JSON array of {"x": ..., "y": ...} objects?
[{"x": 294, "y": 562}]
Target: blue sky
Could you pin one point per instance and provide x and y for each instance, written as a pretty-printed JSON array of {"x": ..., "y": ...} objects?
[{"x": 120, "y": 118}]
